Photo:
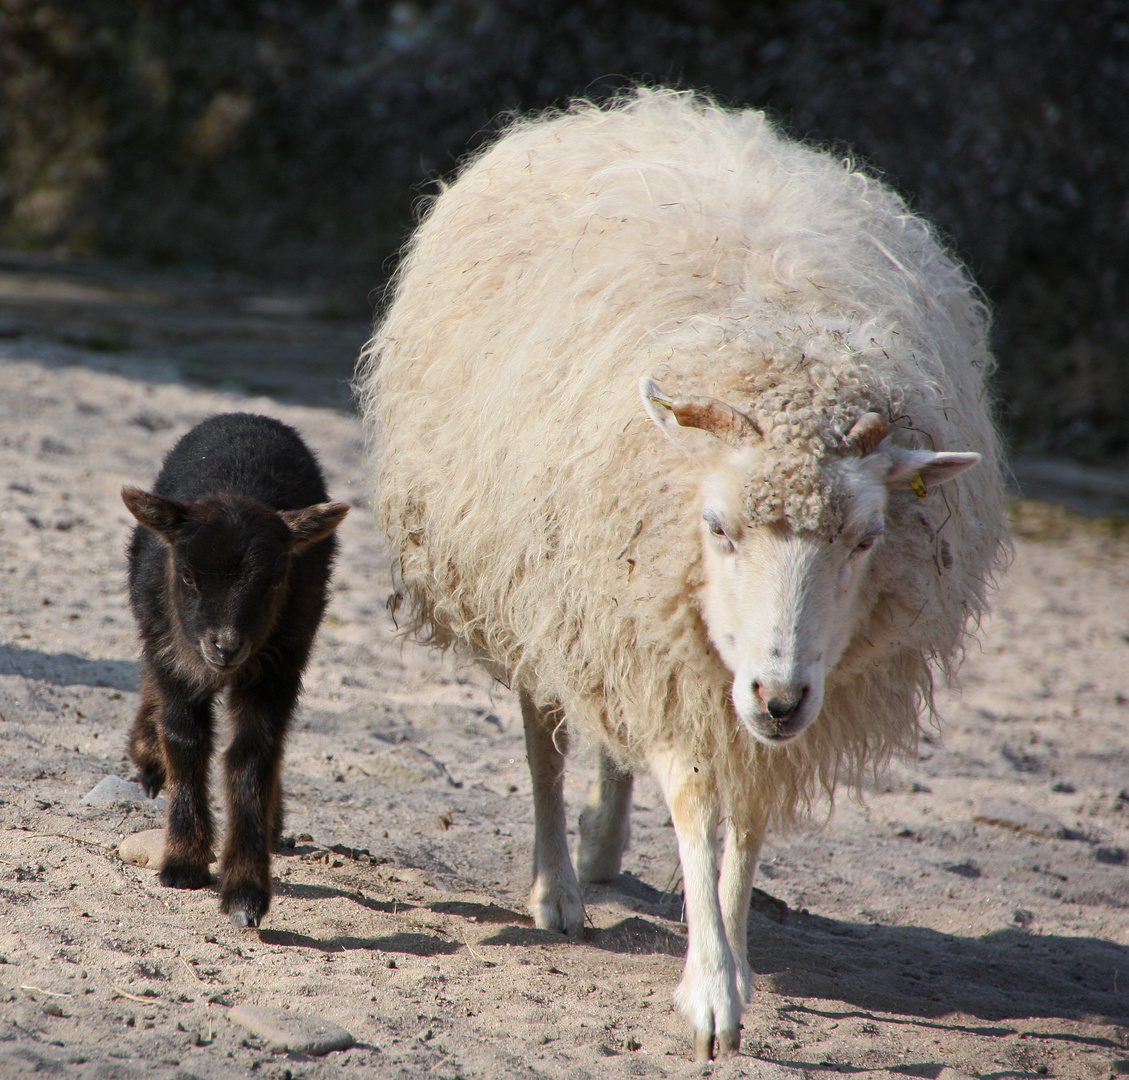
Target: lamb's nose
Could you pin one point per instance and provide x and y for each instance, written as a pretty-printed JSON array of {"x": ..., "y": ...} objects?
[{"x": 224, "y": 648}]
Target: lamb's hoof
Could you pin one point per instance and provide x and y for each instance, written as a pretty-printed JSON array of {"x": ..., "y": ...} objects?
[
  {"x": 183, "y": 875},
  {"x": 244, "y": 919},
  {"x": 246, "y": 906},
  {"x": 152, "y": 779}
]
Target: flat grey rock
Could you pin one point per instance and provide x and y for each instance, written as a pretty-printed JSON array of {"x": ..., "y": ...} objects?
[
  {"x": 285, "y": 1030},
  {"x": 113, "y": 789},
  {"x": 1012, "y": 814}
]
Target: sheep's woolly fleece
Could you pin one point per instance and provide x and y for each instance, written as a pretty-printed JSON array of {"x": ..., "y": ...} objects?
[{"x": 541, "y": 524}]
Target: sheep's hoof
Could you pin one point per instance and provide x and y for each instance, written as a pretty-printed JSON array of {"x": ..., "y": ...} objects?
[
  {"x": 703, "y": 1045},
  {"x": 728, "y": 1044},
  {"x": 184, "y": 875}
]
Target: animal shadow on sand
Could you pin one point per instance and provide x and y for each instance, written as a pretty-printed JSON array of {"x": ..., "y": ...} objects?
[
  {"x": 926, "y": 973},
  {"x": 913, "y": 970},
  {"x": 68, "y": 669},
  {"x": 404, "y": 941},
  {"x": 908, "y": 970}
]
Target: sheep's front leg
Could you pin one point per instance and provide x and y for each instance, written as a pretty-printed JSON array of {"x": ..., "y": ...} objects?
[
  {"x": 742, "y": 846},
  {"x": 605, "y": 823},
  {"x": 261, "y": 714},
  {"x": 554, "y": 899},
  {"x": 708, "y": 995}
]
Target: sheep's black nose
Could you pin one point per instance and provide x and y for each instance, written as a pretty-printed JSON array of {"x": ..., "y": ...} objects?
[
  {"x": 779, "y": 709},
  {"x": 781, "y": 703}
]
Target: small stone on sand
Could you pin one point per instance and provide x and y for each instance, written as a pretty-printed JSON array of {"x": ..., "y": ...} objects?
[
  {"x": 284, "y": 1030},
  {"x": 145, "y": 848},
  {"x": 113, "y": 789},
  {"x": 1012, "y": 814}
]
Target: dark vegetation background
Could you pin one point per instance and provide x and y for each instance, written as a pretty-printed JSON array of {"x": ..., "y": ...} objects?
[{"x": 288, "y": 139}]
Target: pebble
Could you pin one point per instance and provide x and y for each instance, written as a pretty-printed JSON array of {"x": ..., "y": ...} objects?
[
  {"x": 1012, "y": 814},
  {"x": 113, "y": 789},
  {"x": 303, "y": 1033},
  {"x": 406, "y": 767},
  {"x": 145, "y": 848}
]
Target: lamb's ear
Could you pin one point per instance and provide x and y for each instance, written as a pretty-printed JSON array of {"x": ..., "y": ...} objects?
[
  {"x": 313, "y": 522},
  {"x": 924, "y": 469},
  {"x": 676, "y": 418},
  {"x": 163, "y": 516}
]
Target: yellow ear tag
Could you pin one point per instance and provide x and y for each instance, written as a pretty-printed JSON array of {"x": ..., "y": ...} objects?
[{"x": 918, "y": 486}]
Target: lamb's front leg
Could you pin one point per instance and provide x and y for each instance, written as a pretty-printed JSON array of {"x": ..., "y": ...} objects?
[
  {"x": 554, "y": 899},
  {"x": 708, "y": 995},
  {"x": 260, "y": 713},
  {"x": 185, "y": 729},
  {"x": 742, "y": 846}
]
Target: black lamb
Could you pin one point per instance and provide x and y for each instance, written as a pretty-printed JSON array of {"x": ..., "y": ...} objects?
[{"x": 228, "y": 575}]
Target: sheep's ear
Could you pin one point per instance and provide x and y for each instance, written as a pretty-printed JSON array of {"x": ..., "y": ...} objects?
[
  {"x": 163, "y": 516},
  {"x": 923, "y": 469},
  {"x": 313, "y": 522},
  {"x": 675, "y": 417}
]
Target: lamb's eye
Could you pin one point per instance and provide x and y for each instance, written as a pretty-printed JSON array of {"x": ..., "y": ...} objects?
[
  {"x": 867, "y": 542},
  {"x": 187, "y": 580},
  {"x": 715, "y": 527}
]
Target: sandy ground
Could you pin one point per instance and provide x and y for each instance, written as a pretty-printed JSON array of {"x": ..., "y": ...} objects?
[{"x": 904, "y": 937}]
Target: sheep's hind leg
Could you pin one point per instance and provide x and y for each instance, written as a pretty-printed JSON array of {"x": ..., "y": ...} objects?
[
  {"x": 708, "y": 995},
  {"x": 605, "y": 823},
  {"x": 554, "y": 899}
]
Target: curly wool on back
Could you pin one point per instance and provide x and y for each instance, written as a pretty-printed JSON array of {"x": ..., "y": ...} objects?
[{"x": 538, "y": 522}]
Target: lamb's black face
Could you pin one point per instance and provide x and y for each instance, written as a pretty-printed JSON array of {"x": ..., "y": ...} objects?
[{"x": 231, "y": 574}]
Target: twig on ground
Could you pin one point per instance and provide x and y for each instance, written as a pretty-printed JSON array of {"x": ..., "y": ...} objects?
[
  {"x": 191, "y": 970},
  {"x": 133, "y": 997},
  {"x": 476, "y": 955},
  {"x": 67, "y": 836},
  {"x": 40, "y": 990}
]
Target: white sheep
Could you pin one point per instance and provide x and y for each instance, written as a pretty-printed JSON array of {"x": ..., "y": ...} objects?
[{"x": 692, "y": 594}]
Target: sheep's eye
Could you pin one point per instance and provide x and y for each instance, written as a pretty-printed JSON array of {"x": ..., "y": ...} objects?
[
  {"x": 867, "y": 542},
  {"x": 713, "y": 524},
  {"x": 187, "y": 580}
]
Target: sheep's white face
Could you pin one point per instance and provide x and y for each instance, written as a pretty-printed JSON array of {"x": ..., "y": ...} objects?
[{"x": 781, "y": 605}]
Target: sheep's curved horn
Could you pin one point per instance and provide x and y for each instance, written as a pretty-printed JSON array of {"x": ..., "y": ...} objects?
[
  {"x": 866, "y": 433},
  {"x": 727, "y": 423}
]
